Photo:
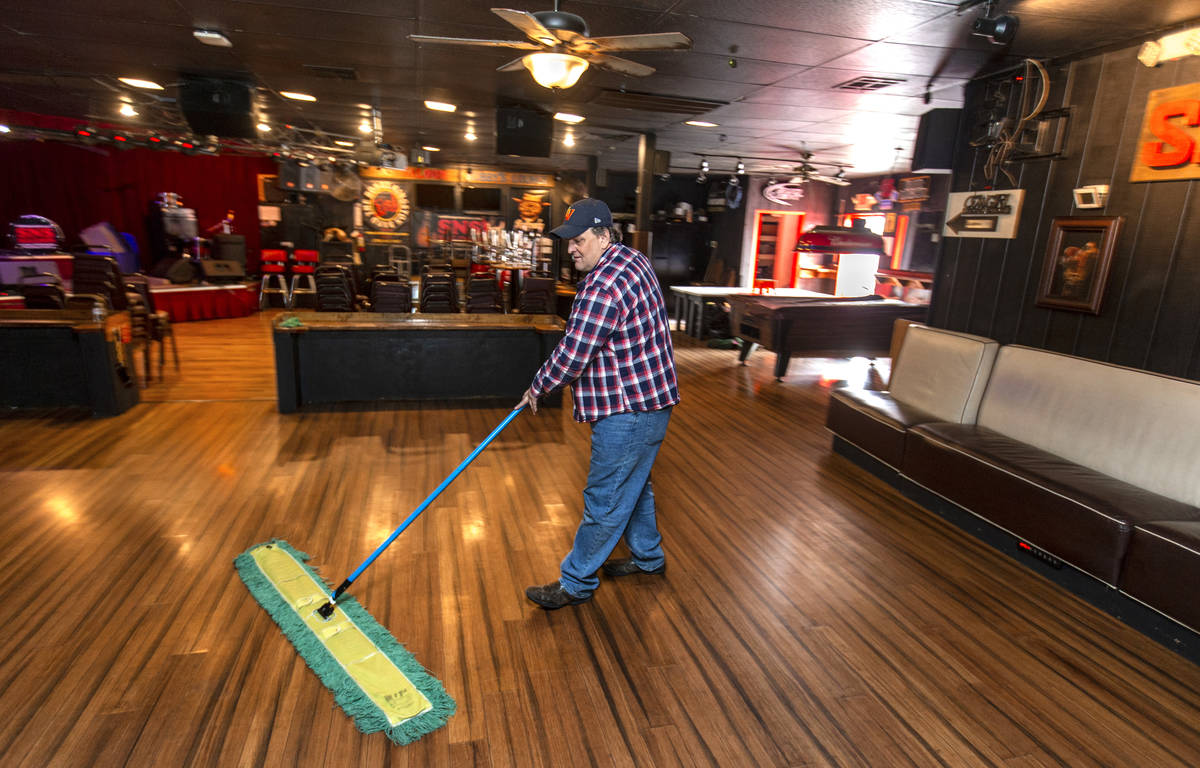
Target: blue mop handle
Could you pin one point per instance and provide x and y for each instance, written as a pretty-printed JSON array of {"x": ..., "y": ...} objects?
[{"x": 428, "y": 500}]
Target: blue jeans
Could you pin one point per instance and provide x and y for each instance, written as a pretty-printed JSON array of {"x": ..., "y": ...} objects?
[{"x": 618, "y": 500}]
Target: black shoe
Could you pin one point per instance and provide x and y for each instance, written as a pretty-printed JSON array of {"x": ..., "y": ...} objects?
[
  {"x": 624, "y": 566},
  {"x": 553, "y": 596}
]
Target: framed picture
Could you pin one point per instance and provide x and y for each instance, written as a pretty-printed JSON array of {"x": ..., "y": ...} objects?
[{"x": 1078, "y": 257}]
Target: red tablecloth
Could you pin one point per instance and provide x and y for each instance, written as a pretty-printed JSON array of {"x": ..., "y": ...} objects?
[{"x": 205, "y": 302}]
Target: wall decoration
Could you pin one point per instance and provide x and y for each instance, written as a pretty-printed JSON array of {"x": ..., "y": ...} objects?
[
  {"x": 1168, "y": 147},
  {"x": 913, "y": 189},
  {"x": 991, "y": 214},
  {"x": 1078, "y": 257},
  {"x": 531, "y": 210},
  {"x": 385, "y": 206}
]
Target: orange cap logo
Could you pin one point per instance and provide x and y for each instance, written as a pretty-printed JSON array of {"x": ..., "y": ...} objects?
[{"x": 569, "y": 212}]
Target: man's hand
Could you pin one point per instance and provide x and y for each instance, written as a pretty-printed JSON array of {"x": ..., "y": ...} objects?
[{"x": 529, "y": 399}]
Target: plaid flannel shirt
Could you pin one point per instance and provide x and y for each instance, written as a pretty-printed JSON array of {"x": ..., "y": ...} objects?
[{"x": 617, "y": 349}]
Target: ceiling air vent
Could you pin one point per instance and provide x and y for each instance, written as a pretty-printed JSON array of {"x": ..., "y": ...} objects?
[
  {"x": 655, "y": 102},
  {"x": 337, "y": 73},
  {"x": 868, "y": 83}
]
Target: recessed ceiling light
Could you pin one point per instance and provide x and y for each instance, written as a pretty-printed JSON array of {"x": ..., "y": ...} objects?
[
  {"x": 127, "y": 110},
  {"x": 263, "y": 128},
  {"x": 428, "y": 148},
  {"x": 440, "y": 106},
  {"x": 343, "y": 143},
  {"x": 364, "y": 127},
  {"x": 470, "y": 135},
  {"x": 212, "y": 37},
  {"x": 567, "y": 117},
  {"x": 149, "y": 85},
  {"x": 569, "y": 139},
  {"x": 701, "y": 123},
  {"x": 296, "y": 96},
  {"x": 363, "y": 106},
  {"x": 4, "y": 128}
]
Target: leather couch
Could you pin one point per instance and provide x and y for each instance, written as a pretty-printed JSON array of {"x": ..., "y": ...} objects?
[{"x": 1091, "y": 463}]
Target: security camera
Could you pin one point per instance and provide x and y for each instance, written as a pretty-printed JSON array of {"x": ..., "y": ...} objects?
[{"x": 1000, "y": 30}]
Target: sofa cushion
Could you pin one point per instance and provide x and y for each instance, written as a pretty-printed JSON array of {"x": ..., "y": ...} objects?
[
  {"x": 1077, "y": 514},
  {"x": 1139, "y": 427},
  {"x": 873, "y": 421},
  {"x": 942, "y": 373},
  {"x": 1162, "y": 569}
]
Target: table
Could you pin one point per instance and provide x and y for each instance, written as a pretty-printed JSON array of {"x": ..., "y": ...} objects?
[
  {"x": 14, "y": 265},
  {"x": 62, "y": 357},
  {"x": 689, "y": 302},
  {"x": 818, "y": 327},
  {"x": 336, "y": 357}
]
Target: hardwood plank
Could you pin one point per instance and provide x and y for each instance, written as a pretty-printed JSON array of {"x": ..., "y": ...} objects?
[{"x": 810, "y": 615}]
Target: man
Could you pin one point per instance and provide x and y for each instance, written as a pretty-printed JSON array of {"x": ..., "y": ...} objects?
[{"x": 617, "y": 354}]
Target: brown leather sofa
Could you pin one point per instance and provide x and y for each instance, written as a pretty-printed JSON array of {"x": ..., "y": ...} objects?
[{"x": 1091, "y": 463}]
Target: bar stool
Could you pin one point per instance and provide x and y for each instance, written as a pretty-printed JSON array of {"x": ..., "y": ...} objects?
[
  {"x": 305, "y": 264},
  {"x": 274, "y": 277}
]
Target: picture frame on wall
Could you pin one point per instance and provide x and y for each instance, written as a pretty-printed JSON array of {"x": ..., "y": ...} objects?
[{"x": 1078, "y": 258}]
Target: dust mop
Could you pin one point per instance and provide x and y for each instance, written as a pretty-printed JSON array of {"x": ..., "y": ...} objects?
[{"x": 374, "y": 679}]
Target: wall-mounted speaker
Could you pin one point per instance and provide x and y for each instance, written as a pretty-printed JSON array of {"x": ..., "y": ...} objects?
[
  {"x": 523, "y": 132},
  {"x": 934, "y": 150},
  {"x": 662, "y": 161},
  {"x": 215, "y": 106}
]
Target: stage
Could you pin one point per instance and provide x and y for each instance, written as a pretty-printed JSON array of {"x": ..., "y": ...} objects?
[{"x": 189, "y": 302}]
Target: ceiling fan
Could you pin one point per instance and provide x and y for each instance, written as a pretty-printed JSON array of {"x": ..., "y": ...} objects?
[
  {"x": 563, "y": 48},
  {"x": 806, "y": 171}
]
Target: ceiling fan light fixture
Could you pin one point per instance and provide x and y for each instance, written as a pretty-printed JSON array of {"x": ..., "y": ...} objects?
[
  {"x": 440, "y": 106},
  {"x": 555, "y": 70}
]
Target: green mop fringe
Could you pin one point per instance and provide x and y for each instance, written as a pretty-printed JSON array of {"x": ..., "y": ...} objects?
[{"x": 367, "y": 717}]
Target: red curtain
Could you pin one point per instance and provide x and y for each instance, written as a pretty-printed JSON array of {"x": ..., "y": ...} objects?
[{"x": 77, "y": 186}]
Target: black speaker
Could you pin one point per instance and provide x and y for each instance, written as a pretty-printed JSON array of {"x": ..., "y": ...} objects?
[
  {"x": 934, "y": 150},
  {"x": 229, "y": 248},
  {"x": 218, "y": 271},
  {"x": 523, "y": 132},
  {"x": 215, "y": 106},
  {"x": 176, "y": 270},
  {"x": 289, "y": 176},
  {"x": 662, "y": 161}
]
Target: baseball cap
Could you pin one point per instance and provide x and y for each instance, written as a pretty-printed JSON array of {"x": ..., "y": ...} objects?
[{"x": 582, "y": 216}]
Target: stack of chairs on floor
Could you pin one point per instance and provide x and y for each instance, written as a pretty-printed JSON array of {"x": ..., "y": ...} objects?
[
  {"x": 483, "y": 295},
  {"x": 149, "y": 320},
  {"x": 537, "y": 294},
  {"x": 335, "y": 289},
  {"x": 439, "y": 290},
  {"x": 43, "y": 291},
  {"x": 390, "y": 291}
]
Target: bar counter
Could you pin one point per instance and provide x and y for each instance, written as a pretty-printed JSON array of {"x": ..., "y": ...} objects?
[{"x": 331, "y": 357}]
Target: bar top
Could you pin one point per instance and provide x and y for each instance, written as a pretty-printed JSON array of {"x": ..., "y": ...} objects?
[{"x": 383, "y": 321}]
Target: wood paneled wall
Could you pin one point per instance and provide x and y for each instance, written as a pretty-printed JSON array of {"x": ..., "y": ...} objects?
[{"x": 1148, "y": 317}]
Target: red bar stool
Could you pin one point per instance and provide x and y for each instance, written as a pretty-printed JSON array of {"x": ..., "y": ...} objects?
[
  {"x": 304, "y": 266},
  {"x": 274, "y": 277}
]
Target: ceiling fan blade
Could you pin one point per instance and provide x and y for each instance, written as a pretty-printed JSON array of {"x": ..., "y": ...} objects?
[
  {"x": 516, "y": 65},
  {"x": 829, "y": 179},
  {"x": 527, "y": 23},
  {"x": 617, "y": 64},
  {"x": 518, "y": 44},
  {"x": 654, "y": 41}
]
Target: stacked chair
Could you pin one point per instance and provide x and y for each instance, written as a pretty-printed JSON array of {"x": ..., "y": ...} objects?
[
  {"x": 155, "y": 325},
  {"x": 439, "y": 290},
  {"x": 43, "y": 290},
  {"x": 483, "y": 295},
  {"x": 274, "y": 278},
  {"x": 100, "y": 276},
  {"x": 537, "y": 294},
  {"x": 335, "y": 290},
  {"x": 304, "y": 266},
  {"x": 391, "y": 294}
]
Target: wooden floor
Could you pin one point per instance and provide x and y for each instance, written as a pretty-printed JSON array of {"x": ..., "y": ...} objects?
[{"x": 810, "y": 615}]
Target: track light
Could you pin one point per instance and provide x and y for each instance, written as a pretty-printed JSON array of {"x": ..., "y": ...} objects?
[{"x": 741, "y": 167}]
